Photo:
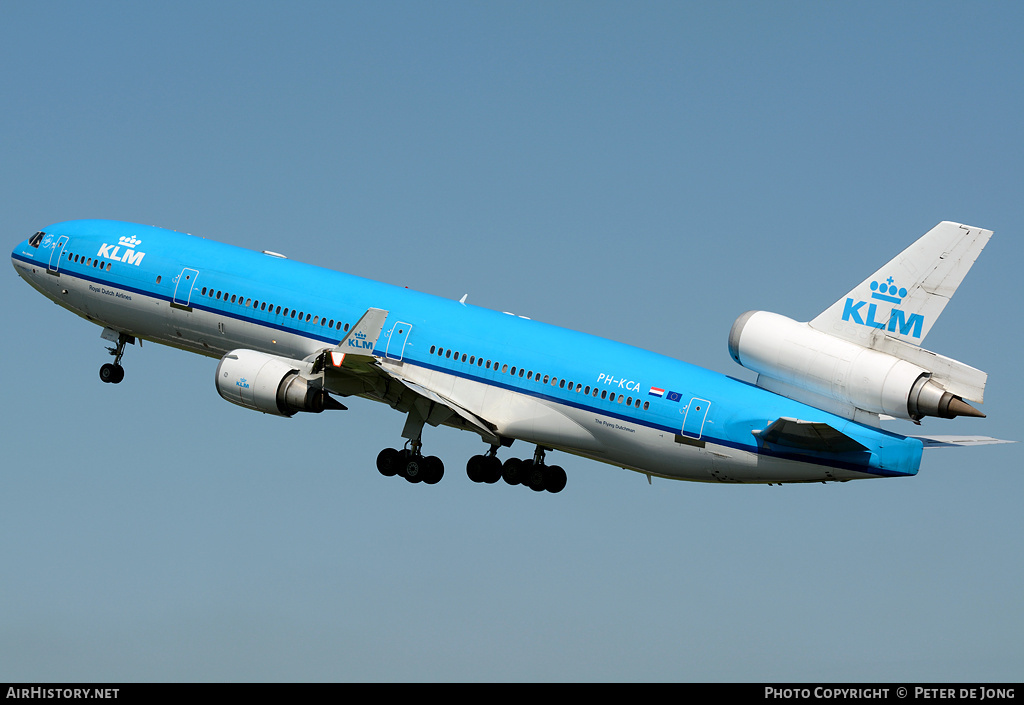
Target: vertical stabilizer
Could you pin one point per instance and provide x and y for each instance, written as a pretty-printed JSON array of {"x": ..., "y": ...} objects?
[{"x": 903, "y": 299}]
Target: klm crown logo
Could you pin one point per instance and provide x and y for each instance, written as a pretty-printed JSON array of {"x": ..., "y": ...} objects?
[
  {"x": 129, "y": 255},
  {"x": 896, "y": 319},
  {"x": 887, "y": 291}
]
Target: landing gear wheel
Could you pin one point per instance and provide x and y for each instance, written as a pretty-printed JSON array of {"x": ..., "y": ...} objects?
[
  {"x": 475, "y": 468},
  {"x": 433, "y": 470},
  {"x": 554, "y": 479},
  {"x": 111, "y": 374},
  {"x": 414, "y": 468},
  {"x": 512, "y": 471},
  {"x": 491, "y": 469},
  {"x": 534, "y": 478},
  {"x": 388, "y": 462}
]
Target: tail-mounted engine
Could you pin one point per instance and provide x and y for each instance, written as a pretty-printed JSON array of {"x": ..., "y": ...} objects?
[
  {"x": 269, "y": 384},
  {"x": 801, "y": 357}
]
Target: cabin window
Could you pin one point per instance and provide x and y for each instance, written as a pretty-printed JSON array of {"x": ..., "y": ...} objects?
[{"x": 158, "y": 278}]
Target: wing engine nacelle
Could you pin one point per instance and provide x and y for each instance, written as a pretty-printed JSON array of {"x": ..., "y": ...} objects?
[
  {"x": 799, "y": 356},
  {"x": 269, "y": 384}
]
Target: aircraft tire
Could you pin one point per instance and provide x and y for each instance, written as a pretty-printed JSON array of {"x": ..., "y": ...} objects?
[
  {"x": 476, "y": 468},
  {"x": 554, "y": 479},
  {"x": 433, "y": 471},
  {"x": 388, "y": 462},
  {"x": 535, "y": 477},
  {"x": 491, "y": 469},
  {"x": 414, "y": 468},
  {"x": 512, "y": 471},
  {"x": 108, "y": 373}
]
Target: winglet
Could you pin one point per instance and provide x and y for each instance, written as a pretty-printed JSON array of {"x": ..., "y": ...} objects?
[{"x": 361, "y": 338}]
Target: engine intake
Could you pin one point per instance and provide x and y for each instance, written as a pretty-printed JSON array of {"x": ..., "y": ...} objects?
[
  {"x": 800, "y": 356},
  {"x": 269, "y": 384}
]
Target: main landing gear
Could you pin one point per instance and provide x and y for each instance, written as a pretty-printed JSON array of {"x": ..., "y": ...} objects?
[
  {"x": 114, "y": 373},
  {"x": 410, "y": 464},
  {"x": 414, "y": 467},
  {"x": 530, "y": 473}
]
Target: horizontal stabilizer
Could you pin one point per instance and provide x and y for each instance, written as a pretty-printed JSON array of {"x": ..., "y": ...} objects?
[
  {"x": 953, "y": 441},
  {"x": 808, "y": 435}
]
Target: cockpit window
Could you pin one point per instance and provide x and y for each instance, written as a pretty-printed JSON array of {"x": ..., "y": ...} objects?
[{"x": 36, "y": 239}]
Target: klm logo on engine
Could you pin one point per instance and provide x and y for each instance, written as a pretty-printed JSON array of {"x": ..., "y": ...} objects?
[
  {"x": 128, "y": 255},
  {"x": 359, "y": 341},
  {"x": 875, "y": 315},
  {"x": 243, "y": 383}
]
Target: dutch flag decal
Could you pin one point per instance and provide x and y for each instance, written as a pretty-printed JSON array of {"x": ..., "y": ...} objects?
[{"x": 656, "y": 392}]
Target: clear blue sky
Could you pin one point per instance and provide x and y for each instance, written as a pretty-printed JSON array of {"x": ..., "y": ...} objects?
[{"x": 641, "y": 171}]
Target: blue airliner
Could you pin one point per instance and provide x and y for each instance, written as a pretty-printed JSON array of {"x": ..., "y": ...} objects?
[{"x": 293, "y": 338}]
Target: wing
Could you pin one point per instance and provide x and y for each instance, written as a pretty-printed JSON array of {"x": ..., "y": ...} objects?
[{"x": 351, "y": 367}]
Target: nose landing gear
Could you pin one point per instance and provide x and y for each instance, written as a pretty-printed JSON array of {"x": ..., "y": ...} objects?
[{"x": 114, "y": 373}]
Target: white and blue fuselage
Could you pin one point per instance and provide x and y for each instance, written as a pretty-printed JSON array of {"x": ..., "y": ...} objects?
[{"x": 528, "y": 381}]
